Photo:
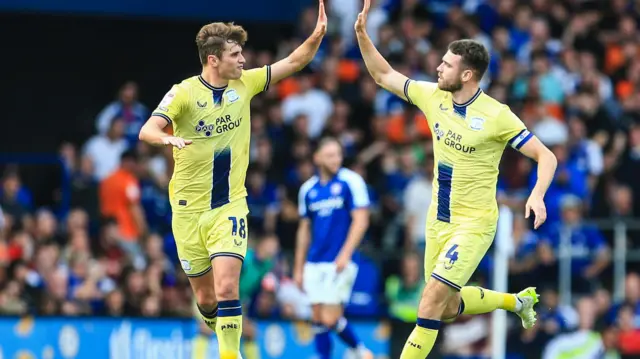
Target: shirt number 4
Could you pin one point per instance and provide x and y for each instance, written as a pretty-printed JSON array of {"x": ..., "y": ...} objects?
[{"x": 452, "y": 256}]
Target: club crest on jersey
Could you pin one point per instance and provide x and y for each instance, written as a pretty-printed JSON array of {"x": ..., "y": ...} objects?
[
  {"x": 476, "y": 123},
  {"x": 336, "y": 188},
  {"x": 232, "y": 96},
  {"x": 201, "y": 104}
]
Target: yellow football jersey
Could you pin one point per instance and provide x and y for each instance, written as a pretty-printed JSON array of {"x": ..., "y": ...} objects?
[
  {"x": 211, "y": 171},
  {"x": 468, "y": 142}
]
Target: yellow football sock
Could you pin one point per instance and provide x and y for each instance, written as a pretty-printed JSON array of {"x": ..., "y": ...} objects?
[
  {"x": 479, "y": 300},
  {"x": 251, "y": 350},
  {"x": 210, "y": 318},
  {"x": 421, "y": 340},
  {"x": 229, "y": 328}
]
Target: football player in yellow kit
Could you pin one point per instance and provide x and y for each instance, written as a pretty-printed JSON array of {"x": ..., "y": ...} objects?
[
  {"x": 210, "y": 115},
  {"x": 470, "y": 132}
]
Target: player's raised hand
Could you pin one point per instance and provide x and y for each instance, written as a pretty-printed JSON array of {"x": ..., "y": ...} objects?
[
  {"x": 321, "y": 25},
  {"x": 536, "y": 205},
  {"x": 176, "y": 141},
  {"x": 361, "y": 22}
]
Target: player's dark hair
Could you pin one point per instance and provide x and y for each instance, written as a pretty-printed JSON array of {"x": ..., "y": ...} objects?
[
  {"x": 474, "y": 56},
  {"x": 212, "y": 38}
]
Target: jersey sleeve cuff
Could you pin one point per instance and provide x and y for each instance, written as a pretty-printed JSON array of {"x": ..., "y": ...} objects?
[
  {"x": 268, "y": 81},
  {"x": 163, "y": 116},
  {"x": 520, "y": 139},
  {"x": 362, "y": 206},
  {"x": 406, "y": 91}
]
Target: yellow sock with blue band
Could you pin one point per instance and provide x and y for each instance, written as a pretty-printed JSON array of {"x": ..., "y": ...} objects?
[
  {"x": 229, "y": 328},
  {"x": 422, "y": 339}
]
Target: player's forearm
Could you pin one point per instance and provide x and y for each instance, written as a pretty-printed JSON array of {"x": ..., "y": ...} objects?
[
  {"x": 547, "y": 164},
  {"x": 357, "y": 230},
  {"x": 303, "y": 55},
  {"x": 303, "y": 238},
  {"x": 151, "y": 134},
  {"x": 373, "y": 59}
]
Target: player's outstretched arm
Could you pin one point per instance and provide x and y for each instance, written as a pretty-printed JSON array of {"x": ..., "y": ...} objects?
[
  {"x": 547, "y": 164},
  {"x": 303, "y": 238},
  {"x": 378, "y": 67},
  {"x": 303, "y": 55},
  {"x": 152, "y": 132}
]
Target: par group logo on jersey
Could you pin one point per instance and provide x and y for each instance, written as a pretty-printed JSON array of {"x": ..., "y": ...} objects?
[
  {"x": 232, "y": 96},
  {"x": 476, "y": 123}
]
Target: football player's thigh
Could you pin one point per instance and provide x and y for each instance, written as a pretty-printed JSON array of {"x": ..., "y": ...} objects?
[
  {"x": 433, "y": 247},
  {"x": 194, "y": 257},
  {"x": 461, "y": 255},
  {"x": 316, "y": 281},
  {"x": 225, "y": 230}
]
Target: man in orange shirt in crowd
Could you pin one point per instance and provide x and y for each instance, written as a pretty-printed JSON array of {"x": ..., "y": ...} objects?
[{"x": 120, "y": 200}]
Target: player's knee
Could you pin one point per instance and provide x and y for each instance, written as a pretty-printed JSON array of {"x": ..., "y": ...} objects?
[
  {"x": 453, "y": 307},
  {"x": 329, "y": 320},
  {"x": 206, "y": 298},
  {"x": 435, "y": 298},
  {"x": 227, "y": 289}
]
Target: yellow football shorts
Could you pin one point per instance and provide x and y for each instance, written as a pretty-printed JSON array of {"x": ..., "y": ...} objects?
[
  {"x": 453, "y": 251},
  {"x": 202, "y": 236}
]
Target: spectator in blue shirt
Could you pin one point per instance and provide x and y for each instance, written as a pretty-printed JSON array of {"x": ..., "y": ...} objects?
[
  {"x": 631, "y": 299},
  {"x": 590, "y": 254},
  {"x": 129, "y": 109},
  {"x": 554, "y": 317}
]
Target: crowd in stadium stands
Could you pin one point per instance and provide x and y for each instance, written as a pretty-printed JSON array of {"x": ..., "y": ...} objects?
[{"x": 570, "y": 69}]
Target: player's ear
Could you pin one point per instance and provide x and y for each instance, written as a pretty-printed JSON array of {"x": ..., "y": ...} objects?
[
  {"x": 213, "y": 60},
  {"x": 467, "y": 75}
]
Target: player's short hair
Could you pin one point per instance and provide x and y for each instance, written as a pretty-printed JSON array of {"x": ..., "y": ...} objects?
[
  {"x": 212, "y": 38},
  {"x": 474, "y": 55},
  {"x": 327, "y": 140}
]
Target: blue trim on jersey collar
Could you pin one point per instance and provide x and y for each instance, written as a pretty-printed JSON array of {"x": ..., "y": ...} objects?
[
  {"x": 207, "y": 85},
  {"x": 470, "y": 101}
]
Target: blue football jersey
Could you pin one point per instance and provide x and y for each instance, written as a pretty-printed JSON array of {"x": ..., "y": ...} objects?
[{"x": 328, "y": 206}]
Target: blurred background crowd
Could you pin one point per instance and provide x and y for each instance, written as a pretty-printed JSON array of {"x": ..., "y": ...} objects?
[{"x": 570, "y": 69}]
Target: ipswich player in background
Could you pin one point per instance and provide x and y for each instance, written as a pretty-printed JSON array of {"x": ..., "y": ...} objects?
[
  {"x": 333, "y": 206},
  {"x": 470, "y": 131},
  {"x": 210, "y": 115}
]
